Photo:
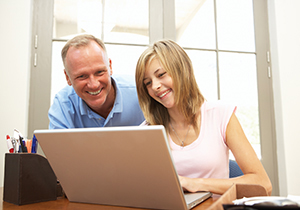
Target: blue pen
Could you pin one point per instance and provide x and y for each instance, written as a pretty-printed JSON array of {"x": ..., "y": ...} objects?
[
  {"x": 20, "y": 149},
  {"x": 34, "y": 144}
]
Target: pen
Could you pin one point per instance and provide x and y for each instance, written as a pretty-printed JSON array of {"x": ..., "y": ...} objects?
[
  {"x": 14, "y": 144},
  {"x": 9, "y": 144},
  {"x": 23, "y": 147},
  {"x": 17, "y": 143},
  {"x": 34, "y": 144},
  {"x": 20, "y": 149}
]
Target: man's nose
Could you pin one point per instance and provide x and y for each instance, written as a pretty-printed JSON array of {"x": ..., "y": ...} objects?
[{"x": 93, "y": 83}]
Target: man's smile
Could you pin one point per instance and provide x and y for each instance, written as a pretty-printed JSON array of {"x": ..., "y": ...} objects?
[{"x": 95, "y": 93}]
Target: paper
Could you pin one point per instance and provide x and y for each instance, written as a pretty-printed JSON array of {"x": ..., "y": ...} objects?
[{"x": 269, "y": 200}]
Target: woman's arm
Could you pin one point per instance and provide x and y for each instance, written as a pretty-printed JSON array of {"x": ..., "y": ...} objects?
[{"x": 254, "y": 172}]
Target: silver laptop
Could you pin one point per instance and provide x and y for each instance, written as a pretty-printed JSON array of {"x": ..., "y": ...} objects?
[{"x": 121, "y": 166}]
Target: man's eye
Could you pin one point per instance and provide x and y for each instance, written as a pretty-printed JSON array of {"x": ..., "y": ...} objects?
[
  {"x": 80, "y": 77},
  {"x": 100, "y": 72}
]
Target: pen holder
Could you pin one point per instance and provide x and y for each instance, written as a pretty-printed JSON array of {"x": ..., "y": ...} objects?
[{"x": 28, "y": 178}]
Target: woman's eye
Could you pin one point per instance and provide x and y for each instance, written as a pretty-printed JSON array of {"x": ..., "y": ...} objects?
[
  {"x": 147, "y": 83},
  {"x": 162, "y": 74}
]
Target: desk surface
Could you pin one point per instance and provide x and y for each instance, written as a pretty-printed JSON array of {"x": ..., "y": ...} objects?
[{"x": 64, "y": 204}]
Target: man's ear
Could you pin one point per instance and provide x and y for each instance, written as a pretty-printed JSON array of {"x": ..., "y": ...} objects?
[
  {"x": 67, "y": 78},
  {"x": 110, "y": 66}
]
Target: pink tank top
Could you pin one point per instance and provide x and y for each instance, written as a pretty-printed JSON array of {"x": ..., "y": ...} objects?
[{"x": 208, "y": 155}]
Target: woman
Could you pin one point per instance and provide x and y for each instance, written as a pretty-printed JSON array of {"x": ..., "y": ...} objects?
[{"x": 201, "y": 133}]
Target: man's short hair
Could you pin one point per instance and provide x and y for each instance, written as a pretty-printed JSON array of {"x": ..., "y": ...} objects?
[{"x": 79, "y": 41}]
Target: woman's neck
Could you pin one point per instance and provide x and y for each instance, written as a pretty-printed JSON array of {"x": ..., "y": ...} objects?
[{"x": 177, "y": 118}]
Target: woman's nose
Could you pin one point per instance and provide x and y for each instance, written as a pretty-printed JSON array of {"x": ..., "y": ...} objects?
[{"x": 156, "y": 84}]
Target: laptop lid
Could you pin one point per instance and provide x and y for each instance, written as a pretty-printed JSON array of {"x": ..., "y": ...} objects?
[{"x": 122, "y": 166}]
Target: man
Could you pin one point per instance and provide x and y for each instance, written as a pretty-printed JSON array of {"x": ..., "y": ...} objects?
[{"x": 93, "y": 98}]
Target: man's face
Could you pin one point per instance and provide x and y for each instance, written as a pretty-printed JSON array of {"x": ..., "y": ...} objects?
[{"x": 88, "y": 70}]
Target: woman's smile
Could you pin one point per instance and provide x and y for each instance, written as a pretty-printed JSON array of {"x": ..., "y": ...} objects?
[{"x": 162, "y": 94}]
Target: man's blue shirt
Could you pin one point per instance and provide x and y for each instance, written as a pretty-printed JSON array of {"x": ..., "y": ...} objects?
[{"x": 70, "y": 111}]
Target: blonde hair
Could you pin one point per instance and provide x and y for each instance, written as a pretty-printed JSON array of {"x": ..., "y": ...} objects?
[{"x": 178, "y": 65}]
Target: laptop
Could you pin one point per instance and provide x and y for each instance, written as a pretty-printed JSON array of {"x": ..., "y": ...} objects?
[{"x": 121, "y": 166}]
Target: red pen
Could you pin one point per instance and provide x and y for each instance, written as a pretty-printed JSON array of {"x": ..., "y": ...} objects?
[{"x": 9, "y": 144}]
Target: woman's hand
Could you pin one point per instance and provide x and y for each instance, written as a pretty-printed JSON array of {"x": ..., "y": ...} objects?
[{"x": 189, "y": 184}]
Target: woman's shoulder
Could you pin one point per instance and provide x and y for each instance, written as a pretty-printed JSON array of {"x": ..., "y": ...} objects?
[{"x": 217, "y": 105}]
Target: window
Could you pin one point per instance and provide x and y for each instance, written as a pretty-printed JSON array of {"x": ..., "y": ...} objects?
[
  {"x": 226, "y": 40},
  {"x": 219, "y": 38},
  {"x": 124, "y": 29}
]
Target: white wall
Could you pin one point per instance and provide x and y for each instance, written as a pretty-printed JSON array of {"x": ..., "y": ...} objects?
[
  {"x": 15, "y": 36},
  {"x": 284, "y": 19},
  {"x": 15, "y": 22}
]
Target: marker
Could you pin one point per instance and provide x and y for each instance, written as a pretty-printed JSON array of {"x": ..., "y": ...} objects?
[
  {"x": 28, "y": 144},
  {"x": 9, "y": 144}
]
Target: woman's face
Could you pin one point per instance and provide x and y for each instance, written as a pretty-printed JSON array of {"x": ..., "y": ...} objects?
[{"x": 159, "y": 84}]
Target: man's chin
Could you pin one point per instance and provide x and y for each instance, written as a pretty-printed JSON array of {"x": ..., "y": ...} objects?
[{"x": 95, "y": 104}]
